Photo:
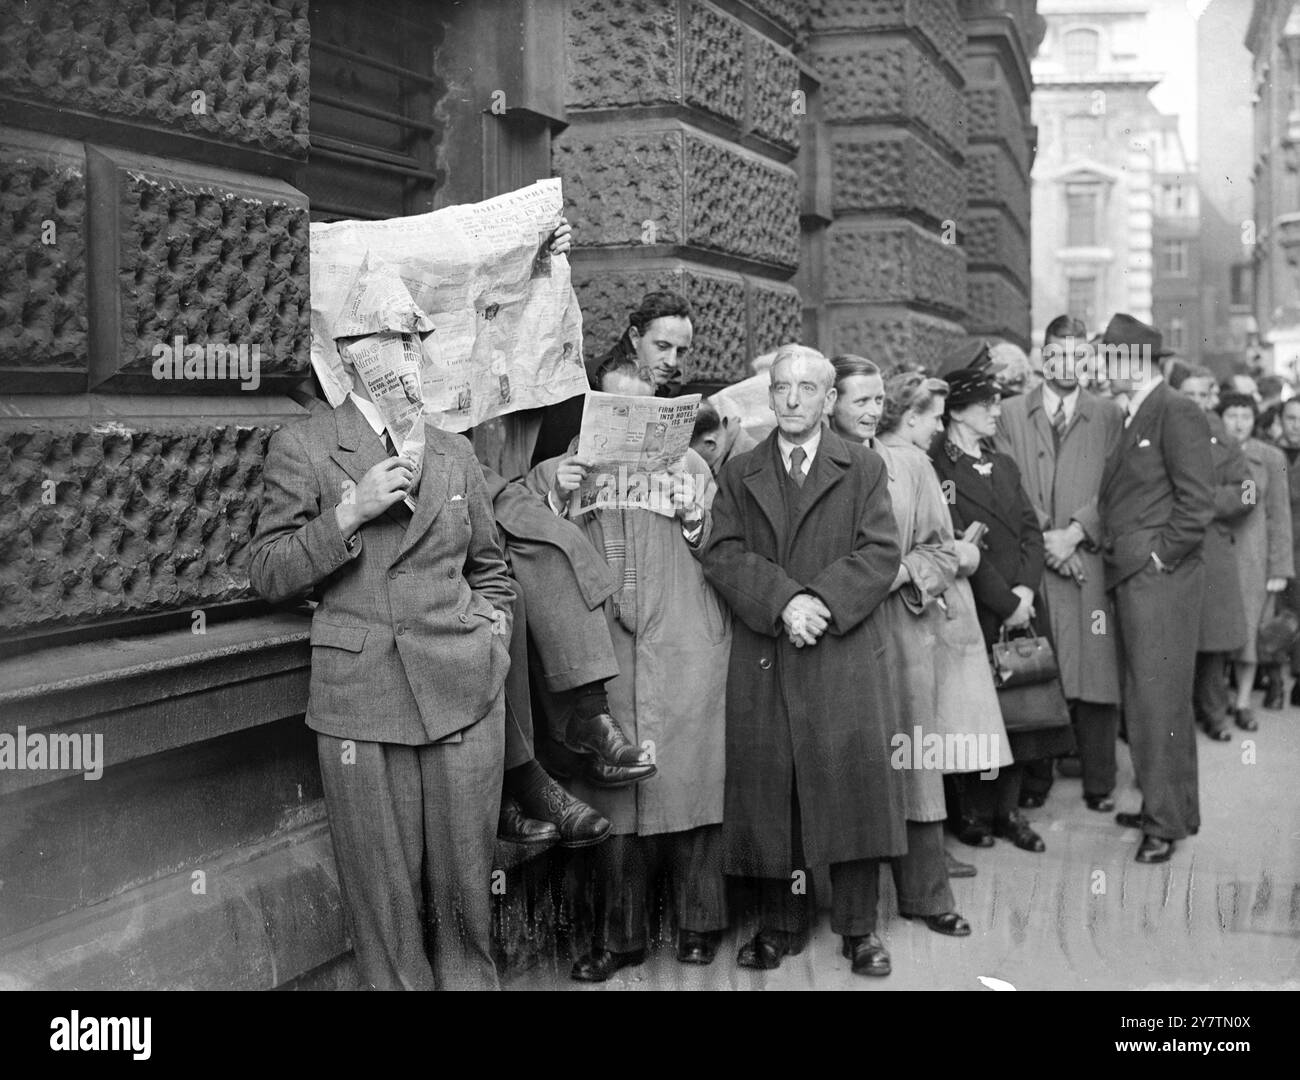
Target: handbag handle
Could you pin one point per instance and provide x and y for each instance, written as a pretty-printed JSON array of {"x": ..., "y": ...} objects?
[{"x": 1031, "y": 630}]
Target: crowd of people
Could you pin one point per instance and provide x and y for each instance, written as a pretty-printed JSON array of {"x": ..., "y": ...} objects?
[{"x": 721, "y": 690}]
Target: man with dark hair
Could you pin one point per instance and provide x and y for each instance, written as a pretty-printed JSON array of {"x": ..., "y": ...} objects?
[
  {"x": 1156, "y": 501},
  {"x": 719, "y": 437}
]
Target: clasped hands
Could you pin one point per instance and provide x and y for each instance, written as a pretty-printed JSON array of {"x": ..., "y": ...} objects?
[
  {"x": 1062, "y": 552},
  {"x": 805, "y": 619}
]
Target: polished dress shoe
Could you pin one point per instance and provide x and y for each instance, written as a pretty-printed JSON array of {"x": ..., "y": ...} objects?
[
  {"x": 1032, "y": 800},
  {"x": 869, "y": 956},
  {"x": 1245, "y": 719},
  {"x": 1015, "y": 828},
  {"x": 766, "y": 949},
  {"x": 599, "y": 964},
  {"x": 1103, "y": 804},
  {"x": 955, "y": 867},
  {"x": 949, "y": 923},
  {"x": 694, "y": 947},
  {"x": 1218, "y": 734},
  {"x": 1154, "y": 850},
  {"x": 1129, "y": 821},
  {"x": 601, "y": 736},
  {"x": 973, "y": 832},
  {"x": 579, "y": 825},
  {"x": 516, "y": 827},
  {"x": 600, "y": 775}
]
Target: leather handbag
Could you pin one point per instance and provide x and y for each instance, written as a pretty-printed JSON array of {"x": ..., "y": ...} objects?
[
  {"x": 1278, "y": 631},
  {"x": 1022, "y": 660},
  {"x": 1034, "y": 706}
]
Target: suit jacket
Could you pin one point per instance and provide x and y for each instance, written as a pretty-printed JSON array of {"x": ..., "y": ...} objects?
[
  {"x": 1157, "y": 492},
  {"x": 403, "y": 648},
  {"x": 1064, "y": 486}
]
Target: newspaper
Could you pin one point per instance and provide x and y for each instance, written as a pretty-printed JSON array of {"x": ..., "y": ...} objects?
[
  {"x": 507, "y": 329},
  {"x": 637, "y": 444}
]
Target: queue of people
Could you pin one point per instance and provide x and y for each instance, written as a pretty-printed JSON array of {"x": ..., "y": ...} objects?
[{"x": 727, "y": 688}]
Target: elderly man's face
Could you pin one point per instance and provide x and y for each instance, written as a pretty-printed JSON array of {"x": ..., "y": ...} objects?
[{"x": 801, "y": 395}]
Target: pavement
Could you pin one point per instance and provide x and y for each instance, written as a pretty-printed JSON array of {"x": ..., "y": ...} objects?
[{"x": 1223, "y": 913}]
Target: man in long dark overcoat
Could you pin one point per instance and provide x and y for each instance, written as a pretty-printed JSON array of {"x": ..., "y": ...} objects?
[{"x": 804, "y": 549}]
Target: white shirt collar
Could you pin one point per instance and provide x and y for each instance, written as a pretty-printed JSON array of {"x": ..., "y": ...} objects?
[
  {"x": 1135, "y": 402},
  {"x": 809, "y": 449},
  {"x": 1051, "y": 399},
  {"x": 370, "y": 411}
]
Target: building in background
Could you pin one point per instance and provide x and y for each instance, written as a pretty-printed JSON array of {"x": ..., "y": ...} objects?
[{"x": 854, "y": 175}]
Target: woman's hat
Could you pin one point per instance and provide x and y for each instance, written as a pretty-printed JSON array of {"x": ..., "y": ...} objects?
[{"x": 970, "y": 376}]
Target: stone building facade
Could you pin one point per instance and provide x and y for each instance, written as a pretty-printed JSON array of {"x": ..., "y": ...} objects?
[{"x": 852, "y": 173}]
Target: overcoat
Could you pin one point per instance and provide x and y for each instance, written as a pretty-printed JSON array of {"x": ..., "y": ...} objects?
[
  {"x": 815, "y": 722},
  {"x": 1223, "y": 613},
  {"x": 1063, "y": 486},
  {"x": 1263, "y": 540},
  {"x": 671, "y": 686}
]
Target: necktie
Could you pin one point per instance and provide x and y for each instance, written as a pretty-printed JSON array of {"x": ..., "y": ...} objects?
[
  {"x": 1058, "y": 423},
  {"x": 796, "y": 466}
]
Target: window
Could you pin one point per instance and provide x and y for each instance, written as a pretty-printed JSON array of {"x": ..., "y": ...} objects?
[
  {"x": 1082, "y": 48},
  {"x": 1241, "y": 285},
  {"x": 1081, "y": 299},
  {"x": 1082, "y": 202},
  {"x": 1081, "y": 133},
  {"x": 1173, "y": 258},
  {"x": 1173, "y": 199},
  {"x": 1178, "y": 334}
]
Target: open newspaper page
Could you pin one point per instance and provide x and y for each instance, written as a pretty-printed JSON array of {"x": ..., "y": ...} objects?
[
  {"x": 507, "y": 329},
  {"x": 637, "y": 444}
]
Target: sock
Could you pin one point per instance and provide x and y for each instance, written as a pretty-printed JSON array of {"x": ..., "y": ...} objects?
[
  {"x": 526, "y": 783},
  {"x": 590, "y": 700}
]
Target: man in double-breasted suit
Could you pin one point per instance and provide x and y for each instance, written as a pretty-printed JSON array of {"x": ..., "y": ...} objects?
[
  {"x": 409, "y": 656},
  {"x": 1157, "y": 499},
  {"x": 1060, "y": 436},
  {"x": 804, "y": 548}
]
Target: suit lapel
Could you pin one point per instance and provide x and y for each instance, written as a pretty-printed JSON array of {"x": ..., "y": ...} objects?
[
  {"x": 1145, "y": 419},
  {"x": 764, "y": 485},
  {"x": 359, "y": 448},
  {"x": 435, "y": 484},
  {"x": 828, "y": 469}
]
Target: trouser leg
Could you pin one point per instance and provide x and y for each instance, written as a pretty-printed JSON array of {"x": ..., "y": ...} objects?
[
  {"x": 1038, "y": 777},
  {"x": 921, "y": 876},
  {"x": 1096, "y": 728},
  {"x": 518, "y": 703},
  {"x": 855, "y": 896},
  {"x": 699, "y": 887},
  {"x": 1210, "y": 690}
]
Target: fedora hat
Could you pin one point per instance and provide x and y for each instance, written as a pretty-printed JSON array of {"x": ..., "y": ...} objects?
[{"x": 1125, "y": 330}]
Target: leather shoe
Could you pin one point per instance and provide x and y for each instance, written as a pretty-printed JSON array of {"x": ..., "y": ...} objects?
[
  {"x": 955, "y": 867},
  {"x": 765, "y": 950},
  {"x": 1103, "y": 804},
  {"x": 599, "y": 964},
  {"x": 1129, "y": 821},
  {"x": 601, "y": 736},
  {"x": 1015, "y": 828},
  {"x": 949, "y": 923},
  {"x": 1032, "y": 800},
  {"x": 1154, "y": 850},
  {"x": 869, "y": 956},
  {"x": 1246, "y": 720},
  {"x": 974, "y": 833},
  {"x": 1219, "y": 734},
  {"x": 516, "y": 827},
  {"x": 579, "y": 825},
  {"x": 600, "y": 775},
  {"x": 694, "y": 947}
]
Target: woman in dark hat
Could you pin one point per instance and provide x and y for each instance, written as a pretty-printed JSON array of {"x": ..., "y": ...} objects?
[{"x": 984, "y": 486}]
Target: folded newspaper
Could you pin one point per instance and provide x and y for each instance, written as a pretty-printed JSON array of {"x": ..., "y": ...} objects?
[
  {"x": 459, "y": 316},
  {"x": 637, "y": 445}
]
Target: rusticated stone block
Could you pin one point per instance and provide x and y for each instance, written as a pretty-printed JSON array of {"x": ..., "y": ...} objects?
[
  {"x": 990, "y": 237},
  {"x": 715, "y": 63},
  {"x": 209, "y": 256},
  {"x": 997, "y": 306},
  {"x": 771, "y": 81},
  {"x": 237, "y": 72},
  {"x": 775, "y": 317},
  {"x": 622, "y": 188},
  {"x": 43, "y": 324},
  {"x": 741, "y": 204},
  {"x": 992, "y": 176},
  {"x": 111, "y": 521},
  {"x": 718, "y": 301},
  {"x": 938, "y": 20},
  {"x": 894, "y": 172},
  {"x": 894, "y": 265},
  {"x": 622, "y": 52},
  {"x": 890, "y": 80},
  {"x": 993, "y": 113},
  {"x": 893, "y": 337},
  {"x": 790, "y": 15}
]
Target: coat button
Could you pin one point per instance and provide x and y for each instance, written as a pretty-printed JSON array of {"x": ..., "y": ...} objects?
[
  {"x": 452, "y": 572},
  {"x": 765, "y": 663},
  {"x": 464, "y": 618},
  {"x": 400, "y": 629},
  {"x": 392, "y": 574}
]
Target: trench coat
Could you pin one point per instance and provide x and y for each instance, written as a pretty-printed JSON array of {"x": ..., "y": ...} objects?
[
  {"x": 1262, "y": 538},
  {"x": 672, "y": 681},
  {"x": 1223, "y": 612},
  {"x": 1063, "y": 486},
  {"x": 813, "y": 723},
  {"x": 1012, "y": 555},
  {"x": 914, "y": 615}
]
